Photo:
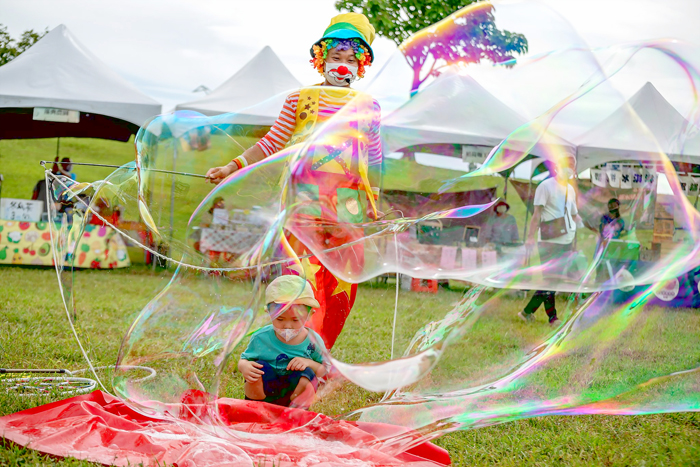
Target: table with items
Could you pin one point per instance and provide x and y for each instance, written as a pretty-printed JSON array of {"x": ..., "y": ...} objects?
[{"x": 29, "y": 243}]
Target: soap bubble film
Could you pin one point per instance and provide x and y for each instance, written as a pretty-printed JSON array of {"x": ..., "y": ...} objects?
[{"x": 446, "y": 254}]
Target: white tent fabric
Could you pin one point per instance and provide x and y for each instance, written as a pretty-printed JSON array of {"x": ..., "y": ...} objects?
[
  {"x": 641, "y": 129},
  {"x": 455, "y": 109},
  {"x": 60, "y": 72},
  {"x": 256, "y": 92}
]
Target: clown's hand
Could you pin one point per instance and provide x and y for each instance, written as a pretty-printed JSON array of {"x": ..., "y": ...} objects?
[
  {"x": 374, "y": 215},
  {"x": 216, "y": 174}
]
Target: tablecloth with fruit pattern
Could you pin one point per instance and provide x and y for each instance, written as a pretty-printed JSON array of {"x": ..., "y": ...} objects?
[{"x": 29, "y": 243}]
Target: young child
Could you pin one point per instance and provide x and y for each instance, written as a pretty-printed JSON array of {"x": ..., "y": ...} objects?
[{"x": 283, "y": 360}]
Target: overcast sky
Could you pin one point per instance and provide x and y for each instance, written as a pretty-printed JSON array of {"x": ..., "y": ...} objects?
[{"x": 169, "y": 47}]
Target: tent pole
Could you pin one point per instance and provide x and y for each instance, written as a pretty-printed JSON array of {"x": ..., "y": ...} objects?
[
  {"x": 172, "y": 193},
  {"x": 527, "y": 207}
]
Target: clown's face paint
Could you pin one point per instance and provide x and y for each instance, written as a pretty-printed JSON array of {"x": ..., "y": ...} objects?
[{"x": 340, "y": 74}]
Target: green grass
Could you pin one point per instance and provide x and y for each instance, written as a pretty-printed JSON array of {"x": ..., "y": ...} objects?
[
  {"x": 34, "y": 333},
  {"x": 19, "y": 160}
]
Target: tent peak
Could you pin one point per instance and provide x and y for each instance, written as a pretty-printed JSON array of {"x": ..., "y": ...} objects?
[
  {"x": 648, "y": 89},
  {"x": 261, "y": 78},
  {"x": 642, "y": 128}
]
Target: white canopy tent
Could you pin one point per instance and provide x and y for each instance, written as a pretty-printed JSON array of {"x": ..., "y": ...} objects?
[
  {"x": 455, "y": 109},
  {"x": 641, "y": 129},
  {"x": 256, "y": 93},
  {"x": 60, "y": 72}
]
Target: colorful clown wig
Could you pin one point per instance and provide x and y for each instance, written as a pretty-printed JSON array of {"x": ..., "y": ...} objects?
[{"x": 363, "y": 56}]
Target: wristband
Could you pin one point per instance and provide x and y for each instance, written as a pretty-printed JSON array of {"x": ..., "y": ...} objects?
[
  {"x": 243, "y": 161},
  {"x": 239, "y": 166}
]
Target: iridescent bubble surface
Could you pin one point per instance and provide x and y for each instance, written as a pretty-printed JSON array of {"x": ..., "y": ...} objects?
[{"x": 455, "y": 359}]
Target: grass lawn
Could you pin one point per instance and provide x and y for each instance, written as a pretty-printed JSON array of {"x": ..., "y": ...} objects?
[{"x": 34, "y": 333}]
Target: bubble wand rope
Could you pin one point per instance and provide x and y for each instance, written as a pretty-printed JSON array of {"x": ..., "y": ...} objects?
[
  {"x": 396, "y": 299},
  {"x": 59, "y": 263}
]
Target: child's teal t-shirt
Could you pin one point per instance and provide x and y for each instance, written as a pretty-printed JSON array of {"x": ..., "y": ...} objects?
[{"x": 264, "y": 345}]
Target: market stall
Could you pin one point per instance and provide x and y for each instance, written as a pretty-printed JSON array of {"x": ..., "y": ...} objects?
[{"x": 29, "y": 243}]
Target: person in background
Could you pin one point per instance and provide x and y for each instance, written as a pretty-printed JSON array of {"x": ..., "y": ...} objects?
[
  {"x": 63, "y": 168},
  {"x": 612, "y": 225},
  {"x": 39, "y": 192},
  {"x": 208, "y": 217},
  {"x": 207, "y": 220},
  {"x": 554, "y": 222},
  {"x": 501, "y": 228}
]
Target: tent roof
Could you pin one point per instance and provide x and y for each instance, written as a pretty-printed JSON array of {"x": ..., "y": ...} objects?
[
  {"x": 59, "y": 71},
  {"x": 642, "y": 128},
  {"x": 453, "y": 109},
  {"x": 263, "y": 78}
]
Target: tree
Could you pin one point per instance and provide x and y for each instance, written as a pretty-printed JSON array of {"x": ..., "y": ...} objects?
[
  {"x": 467, "y": 36},
  {"x": 11, "y": 48}
]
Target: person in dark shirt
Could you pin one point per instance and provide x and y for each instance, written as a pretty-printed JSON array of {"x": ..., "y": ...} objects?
[{"x": 501, "y": 228}]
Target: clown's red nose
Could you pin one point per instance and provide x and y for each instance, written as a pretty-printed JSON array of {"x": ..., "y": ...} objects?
[{"x": 343, "y": 70}]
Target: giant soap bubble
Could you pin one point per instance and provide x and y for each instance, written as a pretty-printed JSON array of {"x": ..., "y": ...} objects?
[{"x": 425, "y": 363}]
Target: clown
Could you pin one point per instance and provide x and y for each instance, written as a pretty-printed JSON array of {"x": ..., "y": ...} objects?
[{"x": 339, "y": 180}]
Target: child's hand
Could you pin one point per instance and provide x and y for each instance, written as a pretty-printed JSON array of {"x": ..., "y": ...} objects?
[
  {"x": 299, "y": 364},
  {"x": 250, "y": 370}
]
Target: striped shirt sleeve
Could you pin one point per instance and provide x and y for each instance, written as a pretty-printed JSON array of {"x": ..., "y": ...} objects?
[
  {"x": 281, "y": 131},
  {"x": 375, "y": 143}
]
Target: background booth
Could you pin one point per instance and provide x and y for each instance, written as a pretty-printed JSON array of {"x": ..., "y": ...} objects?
[{"x": 57, "y": 89}]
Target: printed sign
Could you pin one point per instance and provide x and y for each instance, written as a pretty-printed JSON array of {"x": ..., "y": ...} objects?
[
  {"x": 626, "y": 178},
  {"x": 598, "y": 178},
  {"x": 48, "y": 114},
  {"x": 22, "y": 210},
  {"x": 692, "y": 185},
  {"x": 637, "y": 177},
  {"x": 614, "y": 178},
  {"x": 475, "y": 154},
  {"x": 668, "y": 291}
]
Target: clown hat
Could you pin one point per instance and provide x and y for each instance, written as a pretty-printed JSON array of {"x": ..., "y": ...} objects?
[{"x": 349, "y": 26}]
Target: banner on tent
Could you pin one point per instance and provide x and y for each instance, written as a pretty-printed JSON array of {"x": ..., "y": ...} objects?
[
  {"x": 626, "y": 176},
  {"x": 475, "y": 154},
  {"x": 623, "y": 176},
  {"x": 48, "y": 114},
  {"x": 689, "y": 184},
  {"x": 598, "y": 178}
]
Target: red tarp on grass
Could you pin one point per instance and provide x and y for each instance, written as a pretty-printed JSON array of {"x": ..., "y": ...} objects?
[{"x": 100, "y": 428}]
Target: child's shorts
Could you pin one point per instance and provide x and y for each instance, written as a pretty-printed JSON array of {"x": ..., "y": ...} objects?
[{"x": 279, "y": 387}]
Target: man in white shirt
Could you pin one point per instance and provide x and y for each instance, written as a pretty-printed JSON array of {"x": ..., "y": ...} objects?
[{"x": 555, "y": 198}]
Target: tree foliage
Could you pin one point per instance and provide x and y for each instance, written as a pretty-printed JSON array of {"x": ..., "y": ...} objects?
[
  {"x": 464, "y": 38},
  {"x": 11, "y": 48}
]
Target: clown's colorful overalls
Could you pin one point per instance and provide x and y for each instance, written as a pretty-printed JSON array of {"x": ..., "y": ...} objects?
[{"x": 330, "y": 193}]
